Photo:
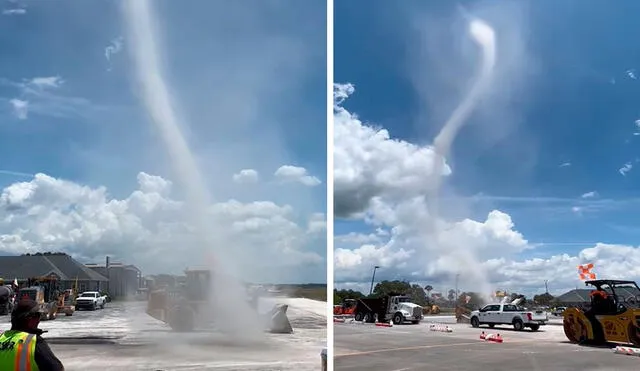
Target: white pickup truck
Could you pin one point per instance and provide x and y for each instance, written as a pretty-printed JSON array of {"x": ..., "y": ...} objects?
[
  {"x": 508, "y": 314},
  {"x": 90, "y": 300}
]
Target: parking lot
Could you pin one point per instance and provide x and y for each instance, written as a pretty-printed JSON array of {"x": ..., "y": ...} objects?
[
  {"x": 123, "y": 337},
  {"x": 415, "y": 347}
]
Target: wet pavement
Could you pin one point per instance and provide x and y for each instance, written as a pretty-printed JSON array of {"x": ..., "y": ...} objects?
[{"x": 123, "y": 337}]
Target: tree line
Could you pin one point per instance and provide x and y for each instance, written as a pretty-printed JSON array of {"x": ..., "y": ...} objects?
[{"x": 422, "y": 295}]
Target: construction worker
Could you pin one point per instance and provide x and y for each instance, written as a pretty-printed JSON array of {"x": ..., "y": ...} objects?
[{"x": 22, "y": 348}]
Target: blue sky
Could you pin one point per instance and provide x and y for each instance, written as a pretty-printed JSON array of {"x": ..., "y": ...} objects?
[
  {"x": 560, "y": 124},
  {"x": 247, "y": 80}
]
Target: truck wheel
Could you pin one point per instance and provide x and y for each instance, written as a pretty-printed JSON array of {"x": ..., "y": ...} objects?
[
  {"x": 358, "y": 316},
  {"x": 517, "y": 324},
  {"x": 475, "y": 322},
  {"x": 492, "y": 325},
  {"x": 368, "y": 318},
  {"x": 534, "y": 327},
  {"x": 398, "y": 319}
]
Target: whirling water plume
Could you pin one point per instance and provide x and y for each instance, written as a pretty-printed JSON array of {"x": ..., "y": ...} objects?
[
  {"x": 484, "y": 36},
  {"x": 230, "y": 309}
]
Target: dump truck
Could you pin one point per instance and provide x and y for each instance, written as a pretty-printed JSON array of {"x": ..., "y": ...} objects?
[
  {"x": 396, "y": 308},
  {"x": 613, "y": 315},
  {"x": 180, "y": 308}
]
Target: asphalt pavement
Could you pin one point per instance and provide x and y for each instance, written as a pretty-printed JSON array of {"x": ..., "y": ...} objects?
[
  {"x": 415, "y": 347},
  {"x": 123, "y": 337}
]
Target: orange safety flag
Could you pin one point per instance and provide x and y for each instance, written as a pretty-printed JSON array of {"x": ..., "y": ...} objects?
[{"x": 584, "y": 271}]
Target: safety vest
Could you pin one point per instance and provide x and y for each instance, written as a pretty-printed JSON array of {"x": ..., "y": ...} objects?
[{"x": 17, "y": 351}]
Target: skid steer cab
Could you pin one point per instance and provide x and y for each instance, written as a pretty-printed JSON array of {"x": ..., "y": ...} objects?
[
  {"x": 179, "y": 308},
  {"x": 612, "y": 316}
]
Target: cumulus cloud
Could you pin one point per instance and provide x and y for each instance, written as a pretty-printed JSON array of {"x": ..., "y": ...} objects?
[
  {"x": 395, "y": 235},
  {"x": 289, "y": 173},
  {"x": 246, "y": 176},
  {"x": 369, "y": 164},
  {"x": 384, "y": 182},
  {"x": 148, "y": 226}
]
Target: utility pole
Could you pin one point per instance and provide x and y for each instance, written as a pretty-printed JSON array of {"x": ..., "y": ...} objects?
[
  {"x": 457, "y": 277},
  {"x": 373, "y": 277},
  {"x": 546, "y": 286}
]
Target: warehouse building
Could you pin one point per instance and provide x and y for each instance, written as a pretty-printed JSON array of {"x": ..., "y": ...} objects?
[{"x": 124, "y": 280}]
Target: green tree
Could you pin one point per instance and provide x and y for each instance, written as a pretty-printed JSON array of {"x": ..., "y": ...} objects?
[
  {"x": 417, "y": 295},
  {"x": 391, "y": 287},
  {"x": 543, "y": 299},
  {"x": 340, "y": 295}
]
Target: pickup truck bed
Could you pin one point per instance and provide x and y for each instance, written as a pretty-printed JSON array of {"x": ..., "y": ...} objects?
[{"x": 508, "y": 314}]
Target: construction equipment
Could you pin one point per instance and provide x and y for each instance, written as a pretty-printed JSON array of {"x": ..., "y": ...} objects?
[
  {"x": 180, "y": 308},
  {"x": 66, "y": 302},
  {"x": 432, "y": 309},
  {"x": 463, "y": 315},
  {"x": 47, "y": 294},
  {"x": 612, "y": 316},
  {"x": 6, "y": 300},
  {"x": 347, "y": 308},
  {"x": 395, "y": 307}
]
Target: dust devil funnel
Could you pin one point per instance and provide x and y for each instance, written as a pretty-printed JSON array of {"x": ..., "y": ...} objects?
[
  {"x": 230, "y": 310},
  {"x": 484, "y": 36}
]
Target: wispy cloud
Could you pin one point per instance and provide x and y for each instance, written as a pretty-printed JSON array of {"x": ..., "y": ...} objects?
[
  {"x": 16, "y": 11},
  {"x": 565, "y": 164},
  {"x": 42, "y": 96},
  {"x": 112, "y": 49},
  {"x": 625, "y": 169},
  {"x": 591, "y": 194},
  {"x": 20, "y": 108},
  {"x": 16, "y": 173}
]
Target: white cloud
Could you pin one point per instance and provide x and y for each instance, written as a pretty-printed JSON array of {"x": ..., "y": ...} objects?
[
  {"x": 20, "y": 108},
  {"x": 46, "y": 97},
  {"x": 565, "y": 164},
  {"x": 625, "y": 169},
  {"x": 246, "y": 176},
  {"x": 289, "y": 173},
  {"x": 17, "y": 11},
  {"x": 384, "y": 182},
  {"x": 113, "y": 48},
  {"x": 369, "y": 164},
  {"x": 486, "y": 253},
  {"x": 45, "y": 82},
  {"x": 147, "y": 227}
]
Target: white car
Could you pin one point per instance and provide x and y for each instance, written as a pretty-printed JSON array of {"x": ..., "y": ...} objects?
[
  {"x": 508, "y": 314},
  {"x": 90, "y": 300}
]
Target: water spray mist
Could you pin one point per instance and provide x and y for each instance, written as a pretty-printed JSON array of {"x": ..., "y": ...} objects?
[
  {"x": 230, "y": 310},
  {"x": 484, "y": 36}
]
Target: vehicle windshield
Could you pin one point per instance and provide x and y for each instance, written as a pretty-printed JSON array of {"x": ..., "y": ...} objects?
[
  {"x": 624, "y": 291},
  {"x": 88, "y": 295},
  {"x": 403, "y": 299}
]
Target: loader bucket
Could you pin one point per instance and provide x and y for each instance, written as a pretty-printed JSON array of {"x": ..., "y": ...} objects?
[
  {"x": 279, "y": 321},
  {"x": 157, "y": 305}
]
